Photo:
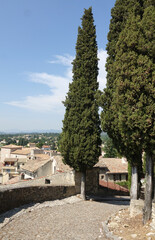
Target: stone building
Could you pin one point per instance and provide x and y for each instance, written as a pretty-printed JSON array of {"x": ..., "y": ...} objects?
[
  {"x": 40, "y": 166},
  {"x": 7, "y": 150},
  {"x": 112, "y": 169}
]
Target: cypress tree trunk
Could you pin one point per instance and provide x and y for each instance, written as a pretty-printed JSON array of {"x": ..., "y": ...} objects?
[
  {"x": 153, "y": 187},
  {"x": 134, "y": 183},
  {"x": 148, "y": 189},
  {"x": 83, "y": 186},
  {"x": 153, "y": 180}
]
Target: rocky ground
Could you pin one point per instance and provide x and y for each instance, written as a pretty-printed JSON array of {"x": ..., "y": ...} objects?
[
  {"x": 68, "y": 219},
  {"x": 74, "y": 219},
  {"x": 128, "y": 228}
]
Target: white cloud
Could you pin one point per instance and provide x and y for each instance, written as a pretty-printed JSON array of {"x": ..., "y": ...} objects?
[
  {"x": 58, "y": 86},
  {"x": 102, "y": 55},
  {"x": 53, "y": 102},
  {"x": 65, "y": 60}
]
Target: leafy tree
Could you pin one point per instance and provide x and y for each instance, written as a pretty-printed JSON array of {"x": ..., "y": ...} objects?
[
  {"x": 53, "y": 145},
  {"x": 109, "y": 149},
  {"x": 39, "y": 144},
  {"x": 80, "y": 139}
]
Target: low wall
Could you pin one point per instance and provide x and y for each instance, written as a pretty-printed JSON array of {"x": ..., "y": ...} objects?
[{"x": 15, "y": 197}]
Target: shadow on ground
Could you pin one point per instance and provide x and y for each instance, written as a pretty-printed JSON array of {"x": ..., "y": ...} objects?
[
  {"x": 14, "y": 211},
  {"x": 115, "y": 200}
]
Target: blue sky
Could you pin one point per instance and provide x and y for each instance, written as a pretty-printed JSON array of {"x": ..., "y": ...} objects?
[{"x": 37, "y": 46}]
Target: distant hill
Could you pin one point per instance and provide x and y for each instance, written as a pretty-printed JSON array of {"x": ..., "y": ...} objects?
[{"x": 16, "y": 131}]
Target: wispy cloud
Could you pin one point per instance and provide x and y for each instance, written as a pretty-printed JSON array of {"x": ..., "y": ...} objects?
[
  {"x": 66, "y": 60},
  {"x": 58, "y": 86},
  {"x": 102, "y": 55}
]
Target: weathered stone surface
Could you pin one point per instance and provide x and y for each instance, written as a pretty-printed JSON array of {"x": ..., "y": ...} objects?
[
  {"x": 15, "y": 197},
  {"x": 113, "y": 225},
  {"x": 136, "y": 207},
  {"x": 133, "y": 235},
  {"x": 150, "y": 234},
  {"x": 153, "y": 216}
]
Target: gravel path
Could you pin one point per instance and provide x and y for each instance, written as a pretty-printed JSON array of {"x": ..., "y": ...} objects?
[{"x": 67, "y": 219}]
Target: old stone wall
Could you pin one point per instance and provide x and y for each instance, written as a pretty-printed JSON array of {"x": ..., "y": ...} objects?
[
  {"x": 92, "y": 181},
  {"x": 67, "y": 178},
  {"x": 14, "y": 197}
]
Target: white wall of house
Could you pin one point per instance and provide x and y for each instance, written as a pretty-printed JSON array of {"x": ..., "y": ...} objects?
[
  {"x": 12, "y": 155},
  {"x": 5, "y": 153},
  {"x": 54, "y": 164},
  {"x": 45, "y": 170},
  {"x": 4, "y": 178}
]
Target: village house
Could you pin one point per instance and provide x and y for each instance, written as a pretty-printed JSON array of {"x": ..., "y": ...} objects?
[
  {"x": 58, "y": 165},
  {"x": 21, "y": 153},
  {"x": 7, "y": 150},
  {"x": 10, "y": 166},
  {"x": 31, "y": 145},
  {"x": 113, "y": 169},
  {"x": 4, "y": 177},
  {"x": 39, "y": 166},
  {"x": 46, "y": 147}
]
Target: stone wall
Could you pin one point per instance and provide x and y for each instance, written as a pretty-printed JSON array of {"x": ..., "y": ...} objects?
[
  {"x": 92, "y": 181},
  {"x": 15, "y": 197},
  {"x": 67, "y": 178}
]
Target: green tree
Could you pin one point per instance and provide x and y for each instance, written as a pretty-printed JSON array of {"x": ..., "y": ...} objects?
[
  {"x": 80, "y": 138},
  {"x": 134, "y": 96},
  {"x": 53, "y": 145},
  {"x": 110, "y": 115},
  {"x": 109, "y": 149},
  {"x": 39, "y": 144},
  {"x": 22, "y": 142}
]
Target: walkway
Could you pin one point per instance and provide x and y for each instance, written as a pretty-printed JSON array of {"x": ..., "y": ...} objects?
[{"x": 67, "y": 219}]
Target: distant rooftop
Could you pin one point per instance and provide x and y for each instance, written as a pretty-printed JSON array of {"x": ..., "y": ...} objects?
[
  {"x": 23, "y": 151},
  {"x": 33, "y": 165},
  {"x": 10, "y": 159},
  {"x": 12, "y": 146},
  {"x": 114, "y": 165},
  {"x": 60, "y": 165}
]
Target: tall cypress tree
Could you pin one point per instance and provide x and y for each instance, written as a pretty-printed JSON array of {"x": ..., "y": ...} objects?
[
  {"x": 80, "y": 142},
  {"x": 134, "y": 96},
  {"x": 120, "y": 14}
]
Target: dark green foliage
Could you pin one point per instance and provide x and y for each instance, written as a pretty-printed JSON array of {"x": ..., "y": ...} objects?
[
  {"x": 124, "y": 184},
  {"x": 22, "y": 142},
  {"x": 134, "y": 96},
  {"x": 53, "y": 146},
  {"x": 39, "y": 144},
  {"x": 109, "y": 149},
  {"x": 80, "y": 139},
  {"x": 129, "y": 99},
  {"x": 110, "y": 114}
]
